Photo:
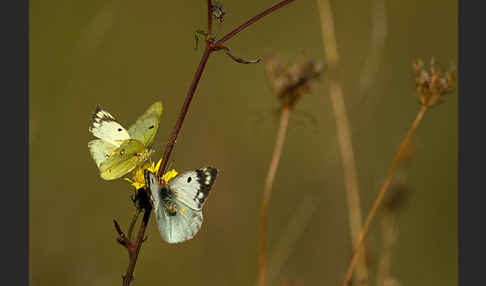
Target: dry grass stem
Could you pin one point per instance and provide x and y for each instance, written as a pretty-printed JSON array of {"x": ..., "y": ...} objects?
[
  {"x": 284, "y": 120},
  {"x": 290, "y": 84},
  {"x": 432, "y": 85},
  {"x": 384, "y": 188},
  {"x": 343, "y": 133}
]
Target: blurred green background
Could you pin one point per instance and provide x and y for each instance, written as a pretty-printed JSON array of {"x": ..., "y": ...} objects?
[{"x": 125, "y": 55}]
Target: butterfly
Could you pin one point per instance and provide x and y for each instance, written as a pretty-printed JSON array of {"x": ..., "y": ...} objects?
[
  {"x": 178, "y": 205},
  {"x": 118, "y": 151}
]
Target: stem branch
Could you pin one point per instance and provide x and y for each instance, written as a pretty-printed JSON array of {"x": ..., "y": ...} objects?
[{"x": 252, "y": 20}]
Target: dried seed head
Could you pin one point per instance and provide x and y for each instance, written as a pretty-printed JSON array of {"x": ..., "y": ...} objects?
[
  {"x": 292, "y": 82},
  {"x": 432, "y": 84}
]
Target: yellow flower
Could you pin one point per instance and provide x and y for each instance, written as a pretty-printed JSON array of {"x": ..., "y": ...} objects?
[
  {"x": 138, "y": 178},
  {"x": 169, "y": 175}
]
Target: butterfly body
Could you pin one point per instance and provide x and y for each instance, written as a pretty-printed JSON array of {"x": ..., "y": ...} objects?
[
  {"x": 118, "y": 151},
  {"x": 178, "y": 205}
]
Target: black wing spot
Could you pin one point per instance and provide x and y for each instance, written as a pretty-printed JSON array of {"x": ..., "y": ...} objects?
[
  {"x": 119, "y": 129},
  {"x": 151, "y": 126},
  {"x": 189, "y": 179}
]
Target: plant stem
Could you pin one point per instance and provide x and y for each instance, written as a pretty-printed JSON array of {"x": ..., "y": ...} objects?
[
  {"x": 184, "y": 109},
  {"x": 252, "y": 20},
  {"x": 132, "y": 224},
  {"x": 133, "y": 258},
  {"x": 211, "y": 46},
  {"x": 284, "y": 120},
  {"x": 382, "y": 192},
  {"x": 343, "y": 133}
]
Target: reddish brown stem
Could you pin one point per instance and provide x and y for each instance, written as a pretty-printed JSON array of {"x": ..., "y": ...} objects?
[
  {"x": 182, "y": 114},
  {"x": 211, "y": 46},
  {"x": 134, "y": 254},
  {"x": 252, "y": 20},
  {"x": 121, "y": 239}
]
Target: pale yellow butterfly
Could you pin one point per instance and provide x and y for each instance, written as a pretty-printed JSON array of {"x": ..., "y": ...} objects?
[{"x": 118, "y": 151}]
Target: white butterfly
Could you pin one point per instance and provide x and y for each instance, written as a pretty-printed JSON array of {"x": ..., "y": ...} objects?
[{"x": 178, "y": 205}]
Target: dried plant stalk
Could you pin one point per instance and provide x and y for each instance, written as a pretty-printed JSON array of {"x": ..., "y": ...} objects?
[
  {"x": 384, "y": 188},
  {"x": 290, "y": 84},
  {"x": 282, "y": 130},
  {"x": 379, "y": 32},
  {"x": 432, "y": 85},
  {"x": 343, "y": 134}
]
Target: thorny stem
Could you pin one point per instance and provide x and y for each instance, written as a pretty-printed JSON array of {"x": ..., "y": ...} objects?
[
  {"x": 284, "y": 120},
  {"x": 382, "y": 192},
  {"x": 343, "y": 134},
  {"x": 211, "y": 46}
]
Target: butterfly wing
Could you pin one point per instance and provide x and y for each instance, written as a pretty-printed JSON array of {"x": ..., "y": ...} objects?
[
  {"x": 192, "y": 187},
  {"x": 146, "y": 126},
  {"x": 124, "y": 159},
  {"x": 176, "y": 222},
  {"x": 104, "y": 126},
  {"x": 100, "y": 150}
]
